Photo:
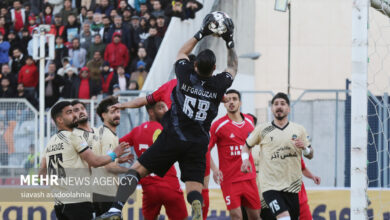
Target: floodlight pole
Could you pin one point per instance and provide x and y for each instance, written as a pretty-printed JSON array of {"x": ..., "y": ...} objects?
[
  {"x": 289, "y": 48},
  {"x": 42, "y": 90}
]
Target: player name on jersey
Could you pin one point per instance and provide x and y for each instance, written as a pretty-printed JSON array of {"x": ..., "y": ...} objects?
[{"x": 199, "y": 92}]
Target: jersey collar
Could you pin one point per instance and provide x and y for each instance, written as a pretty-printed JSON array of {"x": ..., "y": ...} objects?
[
  {"x": 280, "y": 127},
  {"x": 93, "y": 131},
  {"x": 110, "y": 130}
]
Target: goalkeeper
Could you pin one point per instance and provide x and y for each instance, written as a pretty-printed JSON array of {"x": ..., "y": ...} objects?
[
  {"x": 282, "y": 144},
  {"x": 185, "y": 136}
]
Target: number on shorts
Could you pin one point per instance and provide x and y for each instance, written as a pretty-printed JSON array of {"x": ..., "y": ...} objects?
[
  {"x": 227, "y": 200},
  {"x": 274, "y": 206},
  {"x": 189, "y": 105}
]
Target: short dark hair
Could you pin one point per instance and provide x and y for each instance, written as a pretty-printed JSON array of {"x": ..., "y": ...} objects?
[
  {"x": 281, "y": 95},
  {"x": 230, "y": 91},
  {"x": 75, "y": 102},
  {"x": 105, "y": 104},
  {"x": 205, "y": 62},
  {"x": 56, "y": 110}
]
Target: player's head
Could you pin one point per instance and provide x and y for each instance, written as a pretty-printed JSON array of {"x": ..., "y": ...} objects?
[
  {"x": 280, "y": 106},
  {"x": 80, "y": 110},
  {"x": 205, "y": 63},
  {"x": 233, "y": 101},
  {"x": 63, "y": 115},
  {"x": 156, "y": 111},
  {"x": 106, "y": 113}
]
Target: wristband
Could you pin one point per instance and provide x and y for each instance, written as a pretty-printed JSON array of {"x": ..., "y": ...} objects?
[
  {"x": 112, "y": 155},
  {"x": 244, "y": 156},
  {"x": 198, "y": 36},
  {"x": 306, "y": 151}
]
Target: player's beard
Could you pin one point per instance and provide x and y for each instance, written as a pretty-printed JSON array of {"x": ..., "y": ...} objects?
[
  {"x": 115, "y": 122},
  {"x": 82, "y": 120},
  {"x": 281, "y": 117}
]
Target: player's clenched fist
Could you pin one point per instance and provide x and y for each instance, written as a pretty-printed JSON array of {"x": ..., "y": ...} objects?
[
  {"x": 246, "y": 166},
  {"x": 299, "y": 143}
]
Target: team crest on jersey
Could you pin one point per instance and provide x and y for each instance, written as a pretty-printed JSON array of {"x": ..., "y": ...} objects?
[
  {"x": 294, "y": 136},
  {"x": 232, "y": 135}
]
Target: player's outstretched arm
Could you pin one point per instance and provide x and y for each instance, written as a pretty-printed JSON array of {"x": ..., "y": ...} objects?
[
  {"x": 316, "y": 179},
  {"x": 115, "y": 168},
  {"x": 96, "y": 161},
  {"x": 232, "y": 62},
  {"x": 186, "y": 49},
  {"x": 135, "y": 103}
]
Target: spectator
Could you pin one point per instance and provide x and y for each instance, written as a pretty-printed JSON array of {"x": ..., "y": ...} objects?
[
  {"x": 30, "y": 46},
  {"x": 53, "y": 82},
  {"x": 14, "y": 41},
  {"x": 95, "y": 66},
  {"x": 18, "y": 15},
  {"x": 7, "y": 17},
  {"x": 28, "y": 75},
  {"x": 60, "y": 52},
  {"x": 59, "y": 28},
  {"x": 32, "y": 23},
  {"x": 143, "y": 30},
  {"x": 123, "y": 30},
  {"x": 57, "y": 5},
  {"x": 18, "y": 61},
  {"x": 65, "y": 64},
  {"x": 176, "y": 10},
  {"x": 67, "y": 10},
  {"x": 3, "y": 145},
  {"x": 141, "y": 56},
  {"x": 143, "y": 9},
  {"x": 152, "y": 22},
  {"x": 135, "y": 29},
  {"x": 4, "y": 48},
  {"x": 26, "y": 37},
  {"x": 22, "y": 94},
  {"x": 133, "y": 85},
  {"x": 3, "y": 27},
  {"x": 97, "y": 45},
  {"x": 89, "y": 4},
  {"x": 117, "y": 53},
  {"x": 122, "y": 6},
  {"x": 152, "y": 43},
  {"x": 72, "y": 29},
  {"x": 29, "y": 163},
  {"x": 83, "y": 15},
  {"x": 140, "y": 74},
  {"x": 113, "y": 14},
  {"x": 116, "y": 89},
  {"x": 161, "y": 26},
  {"x": 47, "y": 16},
  {"x": 107, "y": 76},
  {"x": 157, "y": 9},
  {"x": 85, "y": 87},
  {"x": 86, "y": 36},
  {"x": 89, "y": 16},
  {"x": 137, "y": 4},
  {"x": 106, "y": 29},
  {"x": 104, "y": 8},
  {"x": 6, "y": 72},
  {"x": 77, "y": 54},
  {"x": 126, "y": 17},
  {"x": 36, "y": 6},
  {"x": 191, "y": 7},
  {"x": 70, "y": 80},
  {"x": 121, "y": 78},
  {"x": 6, "y": 91},
  {"x": 97, "y": 25}
]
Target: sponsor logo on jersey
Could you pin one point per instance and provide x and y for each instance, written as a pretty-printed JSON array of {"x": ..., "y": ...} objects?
[
  {"x": 232, "y": 135},
  {"x": 294, "y": 136}
]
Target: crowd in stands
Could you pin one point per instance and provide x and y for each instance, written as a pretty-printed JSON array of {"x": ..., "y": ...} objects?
[{"x": 101, "y": 47}]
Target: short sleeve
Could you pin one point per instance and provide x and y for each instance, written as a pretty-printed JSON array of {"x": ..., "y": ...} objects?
[
  {"x": 303, "y": 165},
  {"x": 225, "y": 80},
  {"x": 78, "y": 142},
  {"x": 159, "y": 94},
  {"x": 305, "y": 137},
  {"x": 183, "y": 68},
  {"x": 213, "y": 136},
  {"x": 128, "y": 138},
  {"x": 254, "y": 137}
]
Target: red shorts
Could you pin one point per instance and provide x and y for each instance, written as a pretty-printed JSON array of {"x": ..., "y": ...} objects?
[
  {"x": 304, "y": 211},
  {"x": 242, "y": 193},
  {"x": 172, "y": 199}
]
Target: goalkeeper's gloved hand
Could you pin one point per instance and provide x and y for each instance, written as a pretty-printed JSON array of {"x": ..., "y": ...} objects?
[
  {"x": 204, "y": 30},
  {"x": 228, "y": 35}
]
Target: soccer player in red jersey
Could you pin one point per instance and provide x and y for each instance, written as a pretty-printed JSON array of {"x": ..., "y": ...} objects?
[
  {"x": 157, "y": 191},
  {"x": 229, "y": 134},
  {"x": 304, "y": 209}
]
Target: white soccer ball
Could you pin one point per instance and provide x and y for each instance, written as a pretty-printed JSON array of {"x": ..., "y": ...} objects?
[{"x": 217, "y": 26}]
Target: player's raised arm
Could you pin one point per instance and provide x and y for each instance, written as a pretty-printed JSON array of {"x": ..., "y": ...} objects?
[
  {"x": 97, "y": 161},
  {"x": 135, "y": 103},
  {"x": 232, "y": 62}
]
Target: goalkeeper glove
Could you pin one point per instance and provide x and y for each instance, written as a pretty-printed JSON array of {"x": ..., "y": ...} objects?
[
  {"x": 204, "y": 31},
  {"x": 228, "y": 35}
]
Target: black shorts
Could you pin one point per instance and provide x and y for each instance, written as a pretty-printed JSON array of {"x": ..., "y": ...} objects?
[
  {"x": 168, "y": 149},
  {"x": 74, "y": 211},
  {"x": 279, "y": 202}
]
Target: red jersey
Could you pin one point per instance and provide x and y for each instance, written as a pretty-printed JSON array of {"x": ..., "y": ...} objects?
[
  {"x": 230, "y": 137},
  {"x": 163, "y": 93},
  {"x": 302, "y": 194},
  {"x": 141, "y": 138}
]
